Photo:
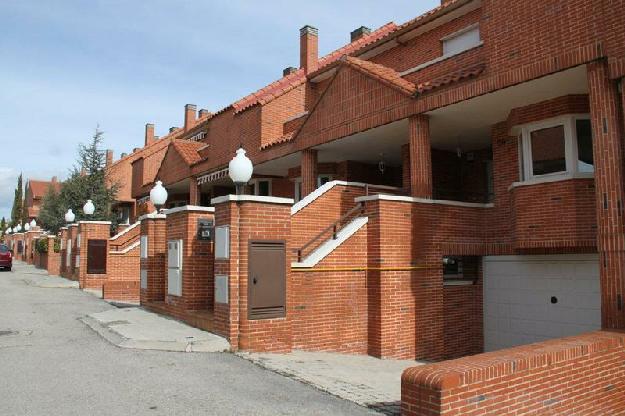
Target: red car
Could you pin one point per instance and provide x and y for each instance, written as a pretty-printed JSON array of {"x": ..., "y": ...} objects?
[{"x": 6, "y": 258}]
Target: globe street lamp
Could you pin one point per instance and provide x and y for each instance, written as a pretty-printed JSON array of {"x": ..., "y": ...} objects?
[
  {"x": 70, "y": 216},
  {"x": 19, "y": 227},
  {"x": 158, "y": 195},
  {"x": 33, "y": 224},
  {"x": 240, "y": 170},
  {"x": 27, "y": 227},
  {"x": 88, "y": 208}
]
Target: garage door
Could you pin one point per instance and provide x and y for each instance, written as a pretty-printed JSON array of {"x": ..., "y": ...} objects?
[{"x": 534, "y": 298}]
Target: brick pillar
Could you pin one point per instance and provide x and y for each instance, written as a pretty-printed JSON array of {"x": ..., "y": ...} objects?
[
  {"x": 405, "y": 167},
  {"x": 197, "y": 258},
  {"x": 154, "y": 267},
  {"x": 194, "y": 192},
  {"x": 91, "y": 230},
  {"x": 608, "y": 154},
  {"x": 420, "y": 156},
  {"x": 309, "y": 171},
  {"x": 54, "y": 258},
  {"x": 238, "y": 217}
]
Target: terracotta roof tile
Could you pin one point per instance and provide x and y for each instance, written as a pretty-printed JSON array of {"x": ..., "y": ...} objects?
[
  {"x": 450, "y": 78},
  {"x": 297, "y": 78},
  {"x": 40, "y": 188},
  {"x": 382, "y": 73},
  {"x": 283, "y": 139},
  {"x": 188, "y": 150}
]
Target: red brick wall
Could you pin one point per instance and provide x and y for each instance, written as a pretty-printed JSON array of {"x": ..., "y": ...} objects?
[
  {"x": 156, "y": 263},
  {"x": 557, "y": 214},
  {"x": 91, "y": 231},
  {"x": 330, "y": 308},
  {"x": 232, "y": 320},
  {"x": 579, "y": 375},
  {"x": 277, "y": 111},
  {"x": 54, "y": 259},
  {"x": 197, "y": 264},
  {"x": 121, "y": 290}
]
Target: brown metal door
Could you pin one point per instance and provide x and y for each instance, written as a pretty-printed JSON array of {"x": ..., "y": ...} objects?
[
  {"x": 267, "y": 279},
  {"x": 96, "y": 257}
]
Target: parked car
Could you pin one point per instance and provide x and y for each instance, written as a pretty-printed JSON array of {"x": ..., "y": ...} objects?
[{"x": 6, "y": 258}]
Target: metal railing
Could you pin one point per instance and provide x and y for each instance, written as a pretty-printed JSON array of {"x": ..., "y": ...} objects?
[{"x": 335, "y": 227}]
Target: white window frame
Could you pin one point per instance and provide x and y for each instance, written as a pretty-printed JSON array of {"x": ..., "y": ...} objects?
[
  {"x": 456, "y": 35},
  {"x": 255, "y": 183},
  {"x": 568, "y": 122}
]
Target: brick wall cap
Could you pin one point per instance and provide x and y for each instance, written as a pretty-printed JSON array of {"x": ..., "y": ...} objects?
[
  {"x": 308, "y": 199},
  {"x": 127, "y": 249},
  {"x": 72, "y": 225},
  {"x": 63, "y": 228},
  {"x": 479, "y": 368},
  {"x": 95, "y": 222},
  {"x": 191, "y": 208},
  {"x": 252, "y": 198},
  {"x": 152, "y": 216},
  {"x": 413, "y": 200}
]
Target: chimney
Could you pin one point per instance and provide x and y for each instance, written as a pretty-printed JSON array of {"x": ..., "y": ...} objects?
[
  {"x": 359, "y": 33},
  {"x": 109, "y": 158},
  {"x": 203, "y": 112},
  {"x": 308, "y": 48},
  {"x": 149, "y": 134},
  {"x": 288, "y": 71},
  {"x": 189, "y": 116}
]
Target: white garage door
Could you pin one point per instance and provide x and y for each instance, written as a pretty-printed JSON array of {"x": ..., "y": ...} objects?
[{"x": 534, "y": 298}]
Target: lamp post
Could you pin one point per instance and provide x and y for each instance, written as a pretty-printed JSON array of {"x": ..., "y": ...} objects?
[
  {"x": 88, "y": 208},
  {"x": 240, "y": 170},
  {"x": 70, "y": 216},
  {"x": 158, "y": 195}
]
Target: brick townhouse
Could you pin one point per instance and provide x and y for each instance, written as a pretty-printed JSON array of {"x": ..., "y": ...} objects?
[
  {"x": 445, "y": 187},
  {"x": 33, "y": 195}
]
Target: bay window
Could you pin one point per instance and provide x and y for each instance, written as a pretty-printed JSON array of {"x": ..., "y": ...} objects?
[{"x": 556, "y": 147}]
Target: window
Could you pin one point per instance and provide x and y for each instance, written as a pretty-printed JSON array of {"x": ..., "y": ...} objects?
[
  {"x": 262, "y": 187},
  {"x": 466, "y": 38},
  {"x": 556, "y": 147},
  {"x": 297, "y": 190},
  {"x": 3, "y": 248},
  {"x": 323, "y": 179},
  {"x": 548, "y": 154}
]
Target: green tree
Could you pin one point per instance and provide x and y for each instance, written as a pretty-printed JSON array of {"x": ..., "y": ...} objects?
[
  {"x": 18, "y": 202},
  {"x": 51, "y": 214},
  {"x": 88, "y": 180},
  {"x": 3, "y": 226}
]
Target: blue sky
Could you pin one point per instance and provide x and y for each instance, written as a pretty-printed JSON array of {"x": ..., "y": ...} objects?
[{"x": 68, "y": 65}]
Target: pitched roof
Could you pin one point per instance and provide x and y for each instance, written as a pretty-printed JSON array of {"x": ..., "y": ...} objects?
[
  {"x": 382, "y": 73},
  {"x": 188, "y": 150},
  {"x": 40, "y": 188},
  {"x": 297, "y": 78}
]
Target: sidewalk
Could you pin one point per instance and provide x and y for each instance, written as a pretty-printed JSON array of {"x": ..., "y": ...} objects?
[
  {"x": 40, "y": 278},
  {"x": 365, "y": 380},
  {"x": 140, "y": 329}
]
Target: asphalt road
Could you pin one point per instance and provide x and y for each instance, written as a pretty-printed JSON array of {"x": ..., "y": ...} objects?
[{"x": 52, "y": 364}]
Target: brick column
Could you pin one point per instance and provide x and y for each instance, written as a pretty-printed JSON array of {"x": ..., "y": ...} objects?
[
  {"x": 608, "y": 155},
  {"x": 405, "y": 167},
  {"x": 309, "y": 171},
  {"x": 240, "y": 214},
  {"x": 420, "y": 156},
  {"x": 194, "y": 192},
  {"x": 154, "y": 267},
  {"x": 197, "y": 259},
  {"x": 90, "y": 230},
  {"x": 54, "y": 258}
]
